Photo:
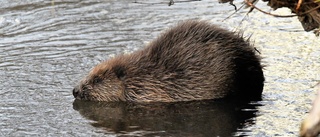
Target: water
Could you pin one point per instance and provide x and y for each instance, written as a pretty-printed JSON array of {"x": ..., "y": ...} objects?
[
  {"x": 46, "y": 47},
  {"x": 167, "y": 119}
]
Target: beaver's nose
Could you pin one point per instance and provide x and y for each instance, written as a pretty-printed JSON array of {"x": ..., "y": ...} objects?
[{"x": 75, "y": 92}]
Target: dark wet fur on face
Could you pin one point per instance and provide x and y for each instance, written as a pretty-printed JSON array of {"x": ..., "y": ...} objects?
[{"x": 191, "y": 61}]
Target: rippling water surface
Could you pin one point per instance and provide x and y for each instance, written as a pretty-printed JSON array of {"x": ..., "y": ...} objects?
[{"x": 47, "y": 46}]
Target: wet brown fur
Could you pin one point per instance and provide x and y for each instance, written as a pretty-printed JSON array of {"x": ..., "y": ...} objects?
[{"x": 191, "y": 61}]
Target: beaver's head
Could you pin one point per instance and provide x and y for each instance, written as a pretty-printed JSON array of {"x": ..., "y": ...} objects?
[{"x": 103, "y": 83}]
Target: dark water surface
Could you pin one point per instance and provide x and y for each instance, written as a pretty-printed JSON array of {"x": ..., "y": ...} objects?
[
  {"x": 47, "y": 46},
  {"x": 201, "y": 118}
]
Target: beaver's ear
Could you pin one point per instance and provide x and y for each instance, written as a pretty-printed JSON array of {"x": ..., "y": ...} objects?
[{"x": 120, "y": 71}]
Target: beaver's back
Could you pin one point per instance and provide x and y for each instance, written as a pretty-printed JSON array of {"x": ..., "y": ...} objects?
[{"x": 193, "y": 61}]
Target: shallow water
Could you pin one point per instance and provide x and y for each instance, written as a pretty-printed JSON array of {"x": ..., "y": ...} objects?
[{"x": 47, "y": 46}]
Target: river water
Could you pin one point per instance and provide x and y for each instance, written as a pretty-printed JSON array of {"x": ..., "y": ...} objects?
[{"x": 47, "y": 46}]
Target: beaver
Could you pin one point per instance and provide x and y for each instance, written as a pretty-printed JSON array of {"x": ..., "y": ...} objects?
[{"x": 194, "y": 60}]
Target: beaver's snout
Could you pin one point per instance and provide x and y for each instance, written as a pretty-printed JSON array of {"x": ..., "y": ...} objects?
[
  {"x": 80, "y": 92},
  {"x": 75, "y": 92}
]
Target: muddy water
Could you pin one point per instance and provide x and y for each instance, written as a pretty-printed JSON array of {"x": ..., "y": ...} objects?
[{"x": 47, "y": 46}]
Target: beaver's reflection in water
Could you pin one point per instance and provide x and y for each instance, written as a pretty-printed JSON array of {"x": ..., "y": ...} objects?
[{"x": 197, "y": 118}]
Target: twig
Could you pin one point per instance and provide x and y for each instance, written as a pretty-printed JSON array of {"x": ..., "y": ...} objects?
[
  {"x": 233, "y": 13},
  {"x": 298, "y": 6},
  {"x": 283, "y": 16},
  {"x": 171, "y": 2}
]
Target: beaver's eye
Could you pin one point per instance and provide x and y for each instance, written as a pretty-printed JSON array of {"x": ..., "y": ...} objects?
[{"x": 97, "y": 80}]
